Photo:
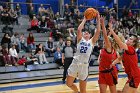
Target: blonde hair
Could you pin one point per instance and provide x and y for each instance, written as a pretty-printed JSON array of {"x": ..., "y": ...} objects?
[
  {"x": 121, "y": 37},
  {"x": 114, "y": 43}
]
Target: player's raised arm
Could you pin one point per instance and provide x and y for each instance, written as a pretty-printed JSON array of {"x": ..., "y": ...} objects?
[
  {"x": 117, "y": 39},
  {"x": 106, "y": 40},
  {"x": 79, "y": 31},
  {"x": 97, "y": 33}
]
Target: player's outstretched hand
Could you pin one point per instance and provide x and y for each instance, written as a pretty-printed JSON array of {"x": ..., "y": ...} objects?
[{"x": 102, "y": 20}]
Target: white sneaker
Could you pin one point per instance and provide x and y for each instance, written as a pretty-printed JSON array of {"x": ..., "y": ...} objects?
[
  {"x": 46, "y": 62},
  {"x": 36, "y": 63},
  {"x": 27, "y": 69}
]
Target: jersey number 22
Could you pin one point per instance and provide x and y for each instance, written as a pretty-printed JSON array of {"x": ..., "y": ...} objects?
[{"x": 83, "y": 49}]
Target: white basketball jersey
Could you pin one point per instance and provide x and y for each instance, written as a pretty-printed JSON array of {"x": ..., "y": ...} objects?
[{"x": 84, "y": 49}]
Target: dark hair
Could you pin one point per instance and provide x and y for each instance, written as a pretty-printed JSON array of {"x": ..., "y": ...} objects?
[{"x": 30, "y": 36}]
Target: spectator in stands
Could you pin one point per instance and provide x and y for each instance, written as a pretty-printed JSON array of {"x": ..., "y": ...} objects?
[
  {"x": 57, "y": 16},
  {"x": 50, "y": 49},
  {"x": 76, "y": 10},
  {"x": 34, "y": 25},
  {"x": 5, "y": 17},
  {"x": 130, "y": 14},
  {"x": 23, "y": 42},
  {"x": 31, "y": 12},
  {"x": 6, "y": 40},
  {"x": 7, "y": 58},
  {"x": 13, "y": 53},
  {"x": 56, "y": 32},
  {"x": 13, "y": 16},
  {"x": 31, "y": 59},
  {"x": 50, "y": 24},
  {"x": 58, "y": 57},
  {"x": 67, "y": 57},
  {"x": 15, "y": 40},
  {"x": 43, "y": 24},
  {"x": 41, "y": 11},
  {"x": 67, "y": 12},
  {"x": 30, "y": 42},
  {"x": 51, "y": 13},
  {"x": 18, "y": 9},
  {"x": 61, "y": 43},
  {"x": 124, "y": 12},
  {"x": 72, "y": 34},
  {"x": 77, "y": 17},
  {"x": 22, "y": 61},
  {"x": 40, "y": 54}
]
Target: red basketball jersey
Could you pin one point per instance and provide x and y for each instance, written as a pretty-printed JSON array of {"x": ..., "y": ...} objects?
[
  {"x": 130, "y": 62},
  {"x": 106, "y": 59}
]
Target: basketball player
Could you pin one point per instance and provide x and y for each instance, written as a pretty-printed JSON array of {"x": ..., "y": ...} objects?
[
  {"x": 107, "y": 76},
  {"x": 80, "y": 63},
  {"x": 130, "y": 62}
]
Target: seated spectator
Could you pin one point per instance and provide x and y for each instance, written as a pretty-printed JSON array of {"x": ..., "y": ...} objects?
[
  {"x": 41, "y": 10},
  {"x": 40, "y": 54},
  {"x": 56, "y": 32},
  {"x": 6, "y": 40},
  {"x": 30, "y": 42},
  {"x": 58, "y": 57},
  {"x": 31, "y": 59},
  {"x": 26, "y": 61},
  {"x": 5, "y": 17},
  {"x": 15, "y": 40},
  {"x": 31, "y": 12},
  {"x": 7, "y": 58},
  {"x": 23, "y": 42},
  {"x": 50, "y": 23},
  {"x": 13, "y": 53},
  {"x": 51, "y": 13},
  {"x": 61, "y": 44},
  {"x": 43, "y": 24},
  {"x": 13, "y": 16},
  {"x": 34, "y": 25},
  {"x": 50, "y": 49}
]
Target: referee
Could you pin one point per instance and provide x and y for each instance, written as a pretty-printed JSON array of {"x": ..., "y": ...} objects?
[{"x": 67, "y": 57}]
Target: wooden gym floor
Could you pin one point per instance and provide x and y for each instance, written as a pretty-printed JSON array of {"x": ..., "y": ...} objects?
[{"x": 55, "y": 86}]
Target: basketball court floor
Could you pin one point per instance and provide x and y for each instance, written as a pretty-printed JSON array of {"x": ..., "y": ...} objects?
[{"x": 55, "y": 86}]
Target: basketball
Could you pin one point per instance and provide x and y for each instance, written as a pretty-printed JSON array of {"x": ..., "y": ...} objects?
[{"x": 90, "y": 13}]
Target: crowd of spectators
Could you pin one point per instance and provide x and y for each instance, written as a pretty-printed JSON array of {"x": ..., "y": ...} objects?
[{"x": 61, "y": 28}]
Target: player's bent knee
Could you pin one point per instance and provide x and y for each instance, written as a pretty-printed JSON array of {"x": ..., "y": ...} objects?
[{"x": 69, "y": 84}]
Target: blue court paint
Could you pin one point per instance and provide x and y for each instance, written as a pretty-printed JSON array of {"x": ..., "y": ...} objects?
[{"x": 45, "y": 84}]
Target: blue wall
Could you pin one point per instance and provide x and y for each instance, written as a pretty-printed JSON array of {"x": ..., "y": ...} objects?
[
  {"x": 53, "y": 4},
  {"x": 94, "y": 3}
]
